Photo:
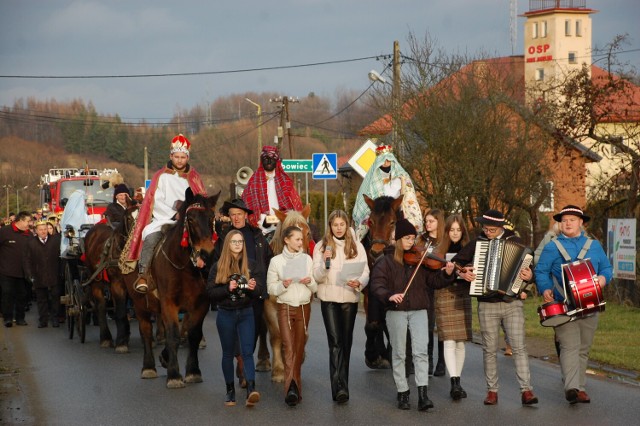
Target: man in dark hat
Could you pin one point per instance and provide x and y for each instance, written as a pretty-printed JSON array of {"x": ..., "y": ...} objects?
[
  {"x": 115, "y": 211},
  {"x": 258, "y": 251},
  {"x": 575, "y": 337},
  {"x": 494, "y": 309},
  {"x": 270, "y": 188}
]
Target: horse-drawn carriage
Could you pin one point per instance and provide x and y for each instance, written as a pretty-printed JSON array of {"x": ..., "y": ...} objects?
[{"x": 76, "y": 298}]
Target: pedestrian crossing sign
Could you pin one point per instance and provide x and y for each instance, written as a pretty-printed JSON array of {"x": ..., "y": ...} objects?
[{"x": 325, "y": 165}]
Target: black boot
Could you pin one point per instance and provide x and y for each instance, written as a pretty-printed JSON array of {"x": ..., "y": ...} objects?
[
  {"x": 424, "y": 403},
  {"x": 403, "y": 400},
  {"x": 431, "y": 365},
  {"x": 455, "y": 391},
  {"x": 463, "y": 393},
  {"x": 231, "y": 395},
  {"x": 253, "y": 396},
  {"x": 440, "y": 368},
  {"x": 293, "y": 396}
]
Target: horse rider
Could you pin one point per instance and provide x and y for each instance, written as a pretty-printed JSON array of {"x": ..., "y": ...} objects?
[
  {"x": 270, "y": 188},
  {"x": 386, "y": 177},
  {"x": 115, "y": 211},
  {"x": 168, "y": 186}
]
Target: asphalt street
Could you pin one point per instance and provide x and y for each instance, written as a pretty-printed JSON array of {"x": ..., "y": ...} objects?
[{"x": 59, "y": 381}]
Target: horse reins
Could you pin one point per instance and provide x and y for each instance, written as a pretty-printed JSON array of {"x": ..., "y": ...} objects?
[{"x": 186, "y": 238}]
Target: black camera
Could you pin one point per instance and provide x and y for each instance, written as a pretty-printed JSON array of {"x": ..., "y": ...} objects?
[{"x": 243, "y": 285}]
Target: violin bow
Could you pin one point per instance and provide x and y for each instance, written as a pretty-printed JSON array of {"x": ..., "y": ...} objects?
[{"x": 426, "y": 250}]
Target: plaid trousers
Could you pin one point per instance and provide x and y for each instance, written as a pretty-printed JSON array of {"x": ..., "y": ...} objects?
[{"x": 512, "y": 314}]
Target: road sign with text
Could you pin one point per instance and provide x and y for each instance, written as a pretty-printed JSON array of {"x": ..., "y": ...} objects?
[{"x": 297, "y": 166}]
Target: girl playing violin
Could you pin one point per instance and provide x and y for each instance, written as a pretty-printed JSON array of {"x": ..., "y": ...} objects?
[{"x": 402, "y": 287}]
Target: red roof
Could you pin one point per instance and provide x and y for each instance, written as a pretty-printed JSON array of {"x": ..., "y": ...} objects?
[{"x": 621, "y": 109}]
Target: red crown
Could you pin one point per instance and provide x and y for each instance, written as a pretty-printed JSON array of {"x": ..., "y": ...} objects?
[
  {"x": 180, "y": 144},
  {"x": 383, "y": 149}
]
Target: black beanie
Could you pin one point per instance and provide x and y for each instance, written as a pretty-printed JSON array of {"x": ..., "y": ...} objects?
[{"x": 404, "y": 228}]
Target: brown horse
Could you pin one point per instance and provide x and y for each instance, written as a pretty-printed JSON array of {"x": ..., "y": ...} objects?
[
  {"x": 385, "y": 212},
  {"x": 103, "y": 246},
  {"x": 290, "y": 218},
  {"x": 181, "y": 285}
]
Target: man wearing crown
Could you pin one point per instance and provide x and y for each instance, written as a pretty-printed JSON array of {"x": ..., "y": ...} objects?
[
  {"x": 167, "y": 187},
  {"x": 269, "y": 188},
  {"x": 386, "y": 177}
]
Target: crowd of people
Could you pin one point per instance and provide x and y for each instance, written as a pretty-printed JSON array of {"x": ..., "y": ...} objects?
[{"x": 243, "y": 271}]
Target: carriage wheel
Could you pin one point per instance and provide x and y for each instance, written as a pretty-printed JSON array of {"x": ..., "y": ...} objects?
[
  {"x": 81, "y": 311},
  {"x": 69, "y": 293}
]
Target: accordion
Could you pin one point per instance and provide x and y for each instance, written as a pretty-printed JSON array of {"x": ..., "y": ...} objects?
[{"x": 497, "y": 264}]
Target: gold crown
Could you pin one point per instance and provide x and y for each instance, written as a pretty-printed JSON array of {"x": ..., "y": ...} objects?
[
  {"x": 383, "y": 149},
  {"x": 41, "y": 222}
]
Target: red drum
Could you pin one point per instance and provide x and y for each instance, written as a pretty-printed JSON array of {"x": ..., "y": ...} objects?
[
  {"x": 584, "y": 294},
  {"x": 553, "y": 314}
]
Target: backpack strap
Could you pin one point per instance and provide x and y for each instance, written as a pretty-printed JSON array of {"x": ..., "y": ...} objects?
[{"x": 585, "y": 248}]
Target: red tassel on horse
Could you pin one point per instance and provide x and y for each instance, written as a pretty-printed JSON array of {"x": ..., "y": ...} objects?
[{"x": 185, "y": 239}]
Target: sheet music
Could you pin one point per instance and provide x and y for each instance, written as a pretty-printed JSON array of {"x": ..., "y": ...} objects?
[
  {"x": 350, "y": 271},
  {"x": 295, "y": 268}
]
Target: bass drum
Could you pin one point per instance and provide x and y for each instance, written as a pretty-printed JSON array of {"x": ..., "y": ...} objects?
[{"x": 553, "y": 314}]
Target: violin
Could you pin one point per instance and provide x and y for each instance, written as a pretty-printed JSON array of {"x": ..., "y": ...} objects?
[{"x": 431, "y": 261}]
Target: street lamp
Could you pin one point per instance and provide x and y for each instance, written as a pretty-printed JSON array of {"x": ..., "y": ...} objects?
[
  {"x": 7, "y": 188},
  {"x": 18, "y": 197},
  {"x": 259, "y": 124}
]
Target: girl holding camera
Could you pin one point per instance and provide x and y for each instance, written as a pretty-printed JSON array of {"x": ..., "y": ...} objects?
[{"x": 232, "y": 286}]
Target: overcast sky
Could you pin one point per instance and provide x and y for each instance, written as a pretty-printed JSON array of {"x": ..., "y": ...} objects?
[{"x": 124, "y": 37}]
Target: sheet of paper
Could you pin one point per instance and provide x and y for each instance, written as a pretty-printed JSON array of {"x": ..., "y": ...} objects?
[
  {"x": 295, "y": 268},
  {"x": 350, "y": 271}
]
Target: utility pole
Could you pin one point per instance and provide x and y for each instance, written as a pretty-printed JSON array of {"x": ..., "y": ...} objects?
[
  {"x": 284, "y": 121},
  {"x": 395, "y": 99},
  {"x": 146, "y": 165}
]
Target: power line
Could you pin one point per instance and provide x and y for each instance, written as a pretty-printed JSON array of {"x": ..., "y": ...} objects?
[{"x": 182, "y": 74}]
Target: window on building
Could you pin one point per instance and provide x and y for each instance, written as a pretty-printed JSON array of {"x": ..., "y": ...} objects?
[
  {"x": 572, "y": 58},
  {"x": 534, "y": 30},
  {"x": 567, "y": 27},
  {"x": 543, "y": 29},
  {"x": 540, "y": 74},
  {"x": 578, "y": 28}
]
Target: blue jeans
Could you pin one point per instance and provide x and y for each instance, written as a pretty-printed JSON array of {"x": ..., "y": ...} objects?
[
  {"x": 235, "y": 324},
  {"x": 398, "y": 323}
]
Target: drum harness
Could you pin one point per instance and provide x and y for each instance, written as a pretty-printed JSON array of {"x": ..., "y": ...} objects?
[{"x": 567, "y": 258}]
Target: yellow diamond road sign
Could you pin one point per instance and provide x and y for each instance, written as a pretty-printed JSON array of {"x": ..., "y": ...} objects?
[{"x": 363, "y": 159}]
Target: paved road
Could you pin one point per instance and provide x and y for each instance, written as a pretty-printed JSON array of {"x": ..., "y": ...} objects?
[{"x": 63, "y": 382}]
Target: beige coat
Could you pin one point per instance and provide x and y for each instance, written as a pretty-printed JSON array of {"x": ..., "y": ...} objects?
[
  {"x": 297, "y": 293},
  {"x": 329, "y": 289}
]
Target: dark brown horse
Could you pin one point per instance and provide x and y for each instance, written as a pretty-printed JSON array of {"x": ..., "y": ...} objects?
[
  {"x": 385, "y": 212},
  {"x": 180, "y": 287},
  {"x": 103, "y": 246}
]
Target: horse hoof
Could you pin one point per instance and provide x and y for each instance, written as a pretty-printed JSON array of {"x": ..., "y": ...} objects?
[
  {"x": 149, "y": 374},
  {"x": 106, "y": 344},
  {"x": 175, "y": 384},
  {"x": 122, "y": 349},
  {"x": 163, "y": 363},
  {"x": 278, "y": 378},
  {"x": 193, "y": 378},
  {"x": 263, "y": 366}
]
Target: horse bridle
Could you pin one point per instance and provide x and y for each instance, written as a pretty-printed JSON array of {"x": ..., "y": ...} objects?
[{"x": 186, "y": 238}]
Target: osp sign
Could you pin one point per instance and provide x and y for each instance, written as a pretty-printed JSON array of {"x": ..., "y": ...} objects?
[{"x": 540, "y": 49}]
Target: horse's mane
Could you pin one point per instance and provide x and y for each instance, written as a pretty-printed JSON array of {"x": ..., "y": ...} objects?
[
  {"x": 292, "y": 219},
  {"x": 382, "y": 204}
]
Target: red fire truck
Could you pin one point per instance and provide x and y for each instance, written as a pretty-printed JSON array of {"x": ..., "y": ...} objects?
[{"x": 57, "y": 185}]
